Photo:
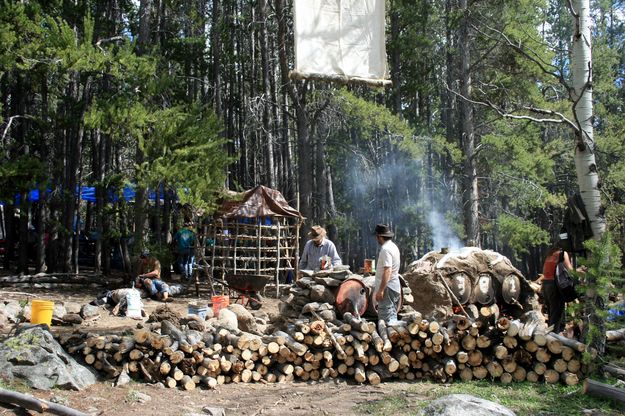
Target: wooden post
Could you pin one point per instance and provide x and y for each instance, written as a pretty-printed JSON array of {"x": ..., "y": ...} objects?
[
  {"x": 297, "y": 227},
  {"x": 606, "y": 391},
  {"x": 236, "y": 240},
  {"x": 214, "y": 248},
  {"x": 278, "y": 262},
  {"x": 258, "y": 230}
]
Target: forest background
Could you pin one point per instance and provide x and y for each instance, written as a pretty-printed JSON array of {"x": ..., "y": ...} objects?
[{"x": 190, "y": 96}]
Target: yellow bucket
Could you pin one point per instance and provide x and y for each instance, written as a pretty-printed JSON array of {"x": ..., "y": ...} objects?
[
  {"x": 219, "y": 303},
  {"x": 41, "y": 312}
]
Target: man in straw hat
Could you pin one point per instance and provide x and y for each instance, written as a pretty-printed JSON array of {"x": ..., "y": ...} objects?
[
  {"x": 387, "y": 286},
  {"x": 319, "y": 252}
]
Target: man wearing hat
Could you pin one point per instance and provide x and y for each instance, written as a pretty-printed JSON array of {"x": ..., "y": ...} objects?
[
  {"x": 387, "y": 287},
  {"x": 316, "y": 250}
]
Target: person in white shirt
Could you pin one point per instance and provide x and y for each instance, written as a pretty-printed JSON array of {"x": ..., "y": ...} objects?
[
  {"x": 317, "y": 247},
  {"x": 387, "y": 286}
]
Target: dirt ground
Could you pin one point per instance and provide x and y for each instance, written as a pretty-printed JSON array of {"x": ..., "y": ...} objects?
[
  {"x": 327, "y": 398},
  {"x": 298, "y": 398},
  {"x": 108, "y": 322}
]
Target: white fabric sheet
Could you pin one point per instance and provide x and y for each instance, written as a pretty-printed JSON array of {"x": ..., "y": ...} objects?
[{"x": 340, "y": 37}]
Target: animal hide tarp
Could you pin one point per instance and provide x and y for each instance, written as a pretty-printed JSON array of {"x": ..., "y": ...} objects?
[{"x": 342, "y": 38}]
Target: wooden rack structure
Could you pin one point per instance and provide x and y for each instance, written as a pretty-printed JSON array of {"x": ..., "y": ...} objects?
[{"x": 242, "y": 241}]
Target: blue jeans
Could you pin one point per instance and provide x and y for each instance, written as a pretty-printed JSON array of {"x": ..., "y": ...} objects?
[
  {"x": 387, "y": 308},
  {"x": 186, "y": 262}
]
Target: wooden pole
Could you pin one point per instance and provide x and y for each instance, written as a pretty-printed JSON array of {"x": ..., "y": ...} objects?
[
  {"x": 278, "y": 248},
  {"x": 259, "y": 254},
  {"x": 236, "y": 243},
  {"x": 595, "y": 388},
  {"x": 32, "y": 403}
]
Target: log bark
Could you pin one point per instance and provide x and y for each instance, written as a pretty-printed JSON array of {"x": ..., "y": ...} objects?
[
  {"x": 615, "y": 335},
  {"x": 576, "y": 345},
  {"x": 595, "y": 388},
  {"x": 613, "y": 370},
  {"x": 32, "y": 403}
]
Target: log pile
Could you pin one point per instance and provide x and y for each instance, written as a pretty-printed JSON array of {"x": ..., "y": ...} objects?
[
  {"x": 322, "y": 287},
  {"x": 319, "y": 287},
  {"x": 352, "y": 348}
]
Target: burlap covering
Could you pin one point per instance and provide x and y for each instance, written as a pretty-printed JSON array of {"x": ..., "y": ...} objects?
[{"x": 424, "y": 278}]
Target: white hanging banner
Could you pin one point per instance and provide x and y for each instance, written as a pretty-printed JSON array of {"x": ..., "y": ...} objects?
[{"x": 340, "y": 40}]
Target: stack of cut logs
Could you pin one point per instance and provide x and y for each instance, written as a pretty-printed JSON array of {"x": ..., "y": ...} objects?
[
  {"x": 318, "y": 287},
  {"x": 314, "y": 349},
  {"x": 322, "y": 287}
]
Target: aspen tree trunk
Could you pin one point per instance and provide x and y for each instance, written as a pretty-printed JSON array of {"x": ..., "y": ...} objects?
[
  {"x": 581, "y": 74},
  {"x": 585, "y": 166}
]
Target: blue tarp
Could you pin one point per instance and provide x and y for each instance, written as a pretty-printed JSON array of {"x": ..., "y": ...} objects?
[{"x": 87, "y": 193}]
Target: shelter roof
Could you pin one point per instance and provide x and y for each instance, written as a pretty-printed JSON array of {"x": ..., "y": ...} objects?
[{"x": 260, "y": 201}]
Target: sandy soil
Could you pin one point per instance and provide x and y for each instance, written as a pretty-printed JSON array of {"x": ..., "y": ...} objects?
[
  {"x": 108, "y": 322},
  {"x": 326, "y": 398}
]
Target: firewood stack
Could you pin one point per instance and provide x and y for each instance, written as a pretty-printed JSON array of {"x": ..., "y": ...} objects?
[
  {"x": 321, "y": 288},
  {"x": 316, "y": 348}
]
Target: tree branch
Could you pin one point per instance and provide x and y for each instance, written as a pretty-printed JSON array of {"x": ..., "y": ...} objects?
[
  {"x": 562, "y": 119},
  {"x": 534, "y": 57}
]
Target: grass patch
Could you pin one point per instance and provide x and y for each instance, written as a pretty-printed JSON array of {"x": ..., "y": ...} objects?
[
  {"x": 17, "y": 386},
  {"x": 132, "y": 396},
  {"x": 392, "y": 404},
  {"x": 524, "y": 399}
]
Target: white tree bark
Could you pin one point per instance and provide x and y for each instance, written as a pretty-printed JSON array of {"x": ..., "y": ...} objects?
[{"x": 581, "y": 74}]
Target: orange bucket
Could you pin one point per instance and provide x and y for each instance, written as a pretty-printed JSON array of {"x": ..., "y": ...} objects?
[
  {"x": 41, "y": 312},
  {"x": 219, "y": 303}
]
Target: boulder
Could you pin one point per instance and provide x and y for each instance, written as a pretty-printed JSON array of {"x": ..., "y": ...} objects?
[
  {"x": 4, "y": 321},
  {"x": 465, "y": 405},
  {"x": 89, "y": 312},
  {"x": 214, "y": 411},
  {"x": 34, "y": 357},
  {"x": 228, "y": 319},
  {"x": 13, "y": 311},
  {"x": 59, "y": 311},
  {"x": 245, "y": 319},
  {"x": 72, "y": 307},
  {"x": 320, "y": 293}
]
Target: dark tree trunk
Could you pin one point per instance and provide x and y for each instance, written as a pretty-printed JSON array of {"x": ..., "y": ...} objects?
[
  {"x": 267, "y": 135},
  {"x": 332, "y": 213},
  {"x": 22, "y": 265},
  {"x": 470, "y": 195},
  {"x": 216, "y": 55},
  {"x": 40, "y": 209}
]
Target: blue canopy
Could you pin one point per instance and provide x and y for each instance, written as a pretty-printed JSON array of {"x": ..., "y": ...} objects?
[{"x": 87, "y": 193}]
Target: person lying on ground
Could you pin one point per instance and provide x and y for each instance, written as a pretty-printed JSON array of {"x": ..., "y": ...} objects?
[
  {"x": 117, "y": 298},
  {"x": 156, "y": 288}
]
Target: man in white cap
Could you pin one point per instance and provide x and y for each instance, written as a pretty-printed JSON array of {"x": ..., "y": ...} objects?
[
  {"x": 316, "y": 250},
  {"x": 387, "y": 286}
]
